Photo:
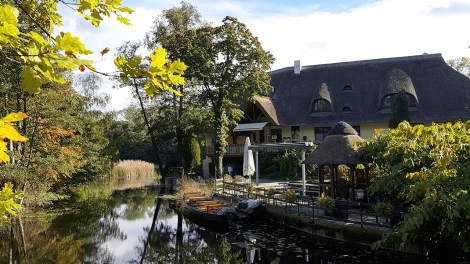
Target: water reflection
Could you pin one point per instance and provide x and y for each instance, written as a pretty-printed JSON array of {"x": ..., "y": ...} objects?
[{"x": 137, "y": 226}]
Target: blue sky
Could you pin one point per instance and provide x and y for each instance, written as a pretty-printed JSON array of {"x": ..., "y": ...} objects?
[{"x": 315, "y": 32}]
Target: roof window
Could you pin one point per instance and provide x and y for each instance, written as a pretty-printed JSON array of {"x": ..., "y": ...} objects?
[
  {"x": 347, "y": 87},
  {"x": 321, "y": 105},
  {"x": 346, "y": 109}
]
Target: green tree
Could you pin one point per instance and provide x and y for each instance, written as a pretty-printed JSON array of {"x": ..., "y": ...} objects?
[
  {"x": 230, "y": 65},
  {"x": 400, "y": 111},
  {"x": 178, "y": 116},
  {"x": 193, "y": 156},
  {"x": 461, "y": 64},
  {"x": 428, "y": 168}
]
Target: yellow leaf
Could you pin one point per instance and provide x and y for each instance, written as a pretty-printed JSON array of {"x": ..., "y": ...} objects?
[{"x": 13, "y": 117}]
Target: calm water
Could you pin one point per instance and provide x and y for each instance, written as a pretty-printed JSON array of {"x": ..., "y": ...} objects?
[{"x": 117, "y": 230}]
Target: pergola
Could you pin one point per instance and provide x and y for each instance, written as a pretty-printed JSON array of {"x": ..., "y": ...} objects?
[
  {"x": 280, "y": 146},
  {"x": 336, "y": 149}
]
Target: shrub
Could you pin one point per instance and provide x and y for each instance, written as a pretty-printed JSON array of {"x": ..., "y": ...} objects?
[
  {"x": 270, "y": 193},
  {"x": 326, "y": 203},
  {"x": 290, "y": 196},
  {"x": 384, "y": 209},
  {"x": 228, "y": 178},
  {"x": 250, "y": 188}
]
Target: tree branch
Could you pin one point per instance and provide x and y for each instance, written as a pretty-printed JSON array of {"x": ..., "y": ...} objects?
[{"x": 35, "y": 22}]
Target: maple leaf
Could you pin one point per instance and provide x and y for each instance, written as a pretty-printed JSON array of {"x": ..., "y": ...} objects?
[{"x": 104, "y": 51}]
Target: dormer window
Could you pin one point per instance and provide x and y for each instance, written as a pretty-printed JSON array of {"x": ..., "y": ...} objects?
[
  {"x": 388, "y": 100},
  {"x": 347, "y": 87},
  {"x": 346, "y": 109},
  {"x": 321, "y": 105}
]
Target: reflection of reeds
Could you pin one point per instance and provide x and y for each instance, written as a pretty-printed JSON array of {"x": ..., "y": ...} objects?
[{"x": 129, "y": 174}]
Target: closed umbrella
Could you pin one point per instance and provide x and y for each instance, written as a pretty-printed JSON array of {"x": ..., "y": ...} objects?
[{"x": 248, "y": 161}]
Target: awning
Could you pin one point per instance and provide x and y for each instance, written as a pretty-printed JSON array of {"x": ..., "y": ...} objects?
[{"x": 250, "y": 127}]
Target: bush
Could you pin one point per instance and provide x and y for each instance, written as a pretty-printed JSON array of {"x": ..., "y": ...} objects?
[
  {"x": 270, "y": 193},
  {"x": 250, "y": 188},
  {"x": 384, "y": 209},
  {"x": 326, "y": 203},
  {"x": 290, "y": 196}
]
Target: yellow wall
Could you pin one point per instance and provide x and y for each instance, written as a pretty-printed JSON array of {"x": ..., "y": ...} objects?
[
  {"x": 308, "y": 131},
  {"x": 286, "y": 132},
  {"x": 368, "y": 130}
]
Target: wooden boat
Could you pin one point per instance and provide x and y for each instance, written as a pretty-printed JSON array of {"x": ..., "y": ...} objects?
[{"x": 205, "y": 207}]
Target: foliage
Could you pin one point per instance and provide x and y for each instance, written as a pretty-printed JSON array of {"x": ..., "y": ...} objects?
[
  {"x": 250, "y": 188},
  {"x": 461, "y": 64},
  {"x": 228, "y": 178},
  {"x": 384, "y": 209},
  {"x": 400, "y": 110},
  {"x": 290, "y": 196},
  {"x": 428, "y": 167},
  {"x": 230, "y": 66},
  {"x": 43, "y": 55},
  {"x": 193, "y": 159},
  {"x": 239, "y": 178},
  {"x": 326, "y": 202},
  {"x": 270, "y": 193},
  {"x": 7, "y": 200},
  {"x": 286, "y": 164}
]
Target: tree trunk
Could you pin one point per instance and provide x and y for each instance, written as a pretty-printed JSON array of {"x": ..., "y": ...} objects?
[
  {"x": 149, "y": 132},
  {"x": 221, "y": 127}
]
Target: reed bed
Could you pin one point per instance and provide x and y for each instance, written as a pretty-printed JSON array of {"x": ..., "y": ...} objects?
[
  {"x": 189, "y": 185},
  {"x": 130, "y": 174}
]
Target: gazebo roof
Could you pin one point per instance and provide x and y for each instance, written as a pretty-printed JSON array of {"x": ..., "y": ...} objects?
[{"x": 337, "y": 147}]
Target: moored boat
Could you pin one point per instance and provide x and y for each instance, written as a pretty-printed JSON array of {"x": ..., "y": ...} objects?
[{"x": 205, "y": 207}]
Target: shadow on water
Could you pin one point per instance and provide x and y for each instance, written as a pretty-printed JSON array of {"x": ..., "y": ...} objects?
[{"x": 138, "y": 226}]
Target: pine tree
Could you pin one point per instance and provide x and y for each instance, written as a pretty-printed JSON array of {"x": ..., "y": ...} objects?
[{"x": 400, "y": 110}]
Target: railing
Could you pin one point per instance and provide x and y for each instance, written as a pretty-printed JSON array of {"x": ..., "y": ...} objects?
[
  {"x": 231, "y": 149},
  {"x": 358, "y": 215}
]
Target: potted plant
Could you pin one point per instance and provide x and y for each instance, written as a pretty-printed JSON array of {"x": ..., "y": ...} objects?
[{"x": 326, "y": 203}]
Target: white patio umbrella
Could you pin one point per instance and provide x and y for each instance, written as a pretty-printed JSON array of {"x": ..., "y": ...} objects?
[{"x": 248, "y": 161}]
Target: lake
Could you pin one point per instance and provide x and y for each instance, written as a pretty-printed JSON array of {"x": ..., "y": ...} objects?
[{"x": 117, "y": 230}]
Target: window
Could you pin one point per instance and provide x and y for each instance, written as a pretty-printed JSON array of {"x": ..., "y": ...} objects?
[
  {"x": 346, "y": 109},
  {"x": 295, "y": 132},
  {"x": 358, "y": 130},
  {"x": 321, "y": 105},
  {"x": 388, "y": 100},
  {"x": 276, "y": 135},
  {"x": 321, "y": 133},
  {"x": 347, "y": 87}
]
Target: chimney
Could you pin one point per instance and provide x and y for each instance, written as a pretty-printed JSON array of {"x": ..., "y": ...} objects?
[{"x": 297, "y": 67}]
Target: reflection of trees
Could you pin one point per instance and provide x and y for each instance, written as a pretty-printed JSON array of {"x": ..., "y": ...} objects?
[
  {"x": 166, "y": 244},
  {"x": 75, "y": 236}
]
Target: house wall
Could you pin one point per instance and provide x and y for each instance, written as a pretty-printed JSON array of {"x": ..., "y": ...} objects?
[
  {"x": 286, "y": 132},
  {"x": 308, "y": 131},
  {"x": 368, "y": 130}
]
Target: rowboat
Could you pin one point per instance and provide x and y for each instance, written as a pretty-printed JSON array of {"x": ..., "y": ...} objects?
[{"x": 205, "y": 208}]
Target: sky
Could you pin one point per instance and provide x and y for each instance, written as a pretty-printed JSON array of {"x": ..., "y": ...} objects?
[{"x": 314, "y": 32}]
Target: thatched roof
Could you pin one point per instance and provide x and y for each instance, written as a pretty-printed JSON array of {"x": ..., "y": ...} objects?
[
  {"x": 357, "y": 89},
  {"x": 337, "y": 147},
  {"x": 266, "y": 106}
]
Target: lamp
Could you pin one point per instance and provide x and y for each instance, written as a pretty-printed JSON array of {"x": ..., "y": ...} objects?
[{"x": 359, "y": 194}]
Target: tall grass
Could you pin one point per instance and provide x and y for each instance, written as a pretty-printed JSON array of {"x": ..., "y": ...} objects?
[
  {"x": 189, "y": 185},
  {"x": 128, "y": 174}
]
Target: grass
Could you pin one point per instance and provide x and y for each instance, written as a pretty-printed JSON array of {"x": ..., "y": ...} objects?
[
  {"x": 127, "y": 174},
  {"x": 189, "y": 185},
  {"x": 131, "y": 174}
]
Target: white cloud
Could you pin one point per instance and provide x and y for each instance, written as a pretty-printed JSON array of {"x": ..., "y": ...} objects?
[{"x": 390, "y": 28}]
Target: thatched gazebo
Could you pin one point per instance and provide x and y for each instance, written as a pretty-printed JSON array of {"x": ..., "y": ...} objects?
[{"x": 338, "y": 149}]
